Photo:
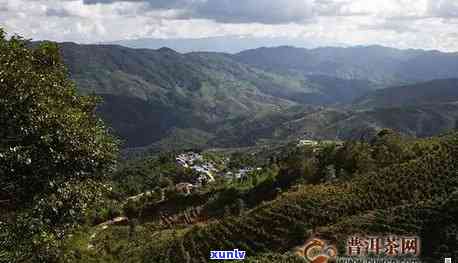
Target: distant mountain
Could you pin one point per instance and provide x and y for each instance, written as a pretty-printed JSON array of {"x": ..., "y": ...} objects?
[
  {"x": 340, "y": 124},
  {"x": 335, "y": 90},
  {"x": 422, "y": 109},
  {"x": 149, "y": 93},
  {"x": 384, "y": 66},
  {"x": 420, "y": 121},
  {"x": 224, "y": 44},
  {"x": 166, "y": 100},
  {"x": 431, "y": 92}
]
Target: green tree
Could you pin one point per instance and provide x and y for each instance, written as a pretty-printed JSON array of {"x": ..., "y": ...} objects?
[
  {"x": 389, "y": 147},
  {"x": 52, "y": 151},
  {"x": 49, "y": 134},
  {"x": 354, "y": 157}
]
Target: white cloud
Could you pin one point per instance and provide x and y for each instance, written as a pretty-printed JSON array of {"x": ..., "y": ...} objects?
[
  {"x": 443, "y": 8},
  {"x": 429, "y": 24}
]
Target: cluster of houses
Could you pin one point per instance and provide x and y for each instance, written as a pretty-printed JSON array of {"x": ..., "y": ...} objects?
[
  {"x": 188, "y": 159},
  {"x": 307, "y": 143},
  {"x": 195, "y": 162},
  {"x": 207, "y": 172},
  {"x": 241, "y": 174}
]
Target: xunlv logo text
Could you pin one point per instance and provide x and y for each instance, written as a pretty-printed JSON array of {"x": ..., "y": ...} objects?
[{"x": 235, "y": 254}]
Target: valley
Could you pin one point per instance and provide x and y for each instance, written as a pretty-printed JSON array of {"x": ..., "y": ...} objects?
[{"x": 164, "y": 100}]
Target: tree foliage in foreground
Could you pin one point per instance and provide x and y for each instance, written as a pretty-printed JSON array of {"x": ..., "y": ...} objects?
[
  {"x": 48, "y": 134},
  {"x": 52, "y": 147}
]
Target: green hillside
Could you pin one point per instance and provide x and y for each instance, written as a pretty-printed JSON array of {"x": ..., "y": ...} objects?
[
  {"x": 278, "y": 226},
  {"x": 339, "y": 124},
  {"x": 393, "y": 185},
  {"x": 431, "y": 92},
  {"x": 154, "y": 99},
  {"x": 148, "y": 93},
  {"x": 160, "y": 90}
]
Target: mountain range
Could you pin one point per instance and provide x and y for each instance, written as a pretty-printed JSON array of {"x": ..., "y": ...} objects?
[
  {"x": 227, "y": 44},
  {"x": 166, "y": 99},
  {"x": 381, "y": 65}
]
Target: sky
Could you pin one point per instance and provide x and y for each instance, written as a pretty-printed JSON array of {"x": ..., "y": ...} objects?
[{"x": 426, "y": 24}]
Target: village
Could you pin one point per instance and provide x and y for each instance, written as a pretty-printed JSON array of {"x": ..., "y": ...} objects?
[{"x": 207, "y": 172}]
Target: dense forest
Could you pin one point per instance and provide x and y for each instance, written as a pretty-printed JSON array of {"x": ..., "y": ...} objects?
[{"x": 67, "y": 194}]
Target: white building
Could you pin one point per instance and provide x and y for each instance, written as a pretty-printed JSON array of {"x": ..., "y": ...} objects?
[{"x": 307, "y": 143}]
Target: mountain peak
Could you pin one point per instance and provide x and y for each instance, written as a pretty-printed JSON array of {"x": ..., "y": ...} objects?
[{"x": 166, "y": 50}]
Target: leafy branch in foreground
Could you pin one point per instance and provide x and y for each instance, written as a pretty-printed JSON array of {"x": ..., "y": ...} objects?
[{"x": 52, "y": 148}]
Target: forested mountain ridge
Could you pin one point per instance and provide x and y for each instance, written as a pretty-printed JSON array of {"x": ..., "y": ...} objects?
[
  {"x": 152, "y": 98},
  {"x": 421, "y": 109},
  {"x": 381, "y": 65},
  {"x": 341, "y": 124},
  {"x": 431, "y": 92},
  {"x": 163, "y": 89}
]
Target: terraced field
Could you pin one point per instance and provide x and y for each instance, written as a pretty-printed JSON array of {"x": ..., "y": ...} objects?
[{"x": 280, "y": 225}]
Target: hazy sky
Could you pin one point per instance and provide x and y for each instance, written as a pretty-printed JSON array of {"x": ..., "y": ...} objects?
[{"x": 429, "y": 24}]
